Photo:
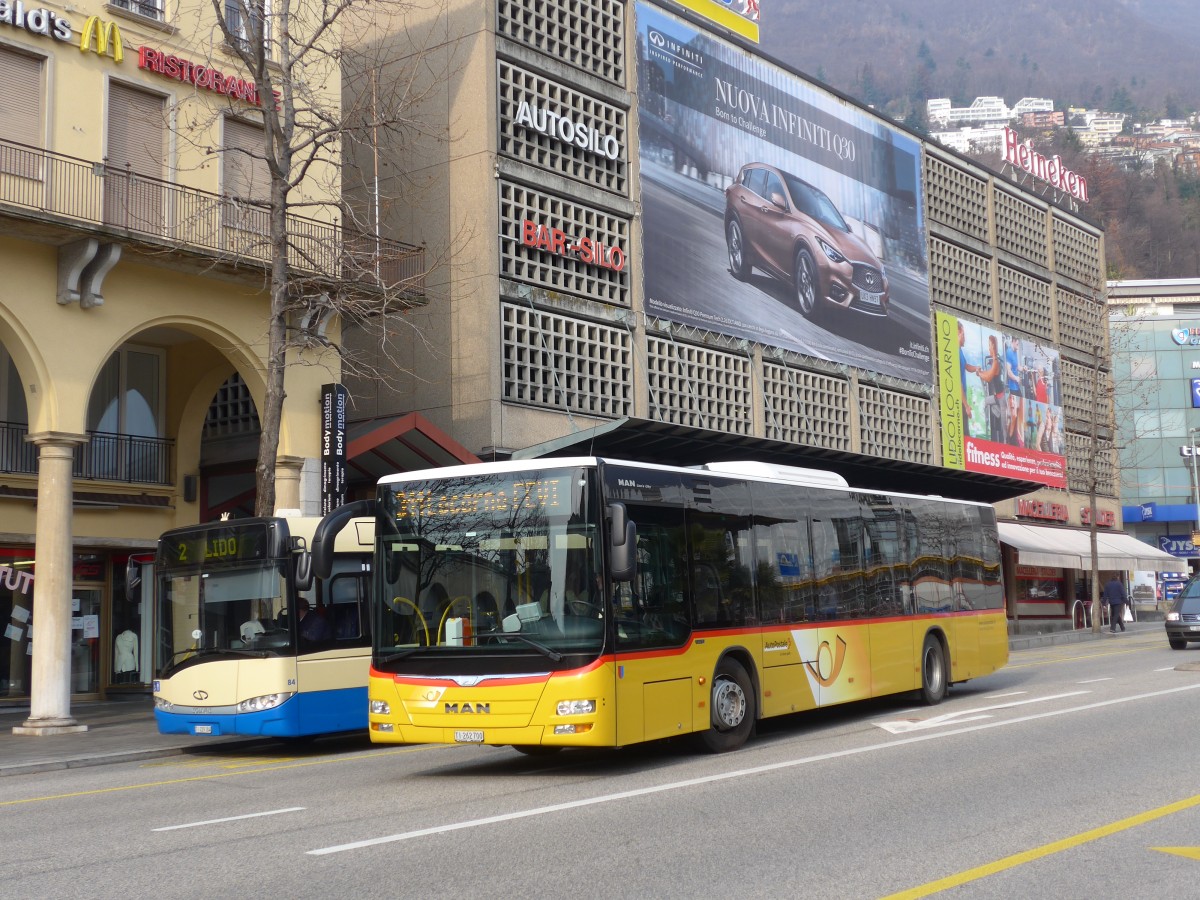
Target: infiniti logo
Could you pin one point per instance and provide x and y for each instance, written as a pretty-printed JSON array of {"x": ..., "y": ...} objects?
[
  {"x": 200, "y": 695},
  {"x": 657, "y": 39}
]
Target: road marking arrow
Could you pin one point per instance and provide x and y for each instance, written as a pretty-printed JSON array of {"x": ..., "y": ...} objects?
[{"x": 907, "y": 726}]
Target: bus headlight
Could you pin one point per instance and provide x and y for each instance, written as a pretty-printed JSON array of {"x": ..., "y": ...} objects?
[
  {"x": 164, "y": 705},
  {"x": 576, "y": 707},
  {"x": 265, "y": 702},
  {"x": 380, "y": 708}
]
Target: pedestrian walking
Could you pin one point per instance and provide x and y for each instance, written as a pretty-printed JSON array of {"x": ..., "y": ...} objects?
[{"x": 1114, "y": 596}]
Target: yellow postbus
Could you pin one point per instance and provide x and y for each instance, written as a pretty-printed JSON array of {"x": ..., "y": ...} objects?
[{"x": 593, "y": 602}]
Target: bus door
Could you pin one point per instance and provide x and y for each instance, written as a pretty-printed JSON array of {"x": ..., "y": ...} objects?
[
  {"x": 654, "y": 688},
  {"x": 888, "y": 548},
  {"x": 840, "y": 666}
]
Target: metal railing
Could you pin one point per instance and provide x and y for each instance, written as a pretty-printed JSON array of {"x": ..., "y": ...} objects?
[
  {"x": 106, "y": 456},
  {"x": 185, "y": 218}
]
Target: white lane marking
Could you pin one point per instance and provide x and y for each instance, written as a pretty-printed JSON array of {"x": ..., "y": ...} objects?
[
  {"x": 1094, "y": 680},
  {"x": 726, "y": 776},
  {"x": 1167, "y": 669},
  {"x": 904, "y": 726},
  {"x": 273, "y": 812},
  {"x": 999, "y": 696}
]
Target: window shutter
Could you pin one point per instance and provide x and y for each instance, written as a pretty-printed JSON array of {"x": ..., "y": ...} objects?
[
  {"x": 246, "y": 175},
  {"x": 20, "y": 112},
  {"x": 137, "y": 131}
]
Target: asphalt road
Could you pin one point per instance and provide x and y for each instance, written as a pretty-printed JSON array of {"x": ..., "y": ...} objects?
[
  {"x": 688, "y": 279},
  {"x": 1065, "y": 775}
]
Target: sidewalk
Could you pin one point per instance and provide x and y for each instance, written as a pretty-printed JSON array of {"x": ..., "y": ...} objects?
[
  {"x": 123, "y": 730},
  {"x": 118, "y": 731}
]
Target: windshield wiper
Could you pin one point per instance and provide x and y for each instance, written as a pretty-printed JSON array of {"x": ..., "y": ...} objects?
[
  {"x": 541, "y": 648},
  {"x": 399, "y": 654}
]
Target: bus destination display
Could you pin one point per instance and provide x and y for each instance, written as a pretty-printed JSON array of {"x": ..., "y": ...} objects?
[
  {"x": 493, "y": 497},
  {"x": 214, "y": 545}
]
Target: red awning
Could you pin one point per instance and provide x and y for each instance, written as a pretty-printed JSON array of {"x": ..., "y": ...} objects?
[{"x": 390, "y": 444}]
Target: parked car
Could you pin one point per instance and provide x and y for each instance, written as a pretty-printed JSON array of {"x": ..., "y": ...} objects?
[
  {"x": 1183, "y": 616},
  {"x": 792, "y": 230}
]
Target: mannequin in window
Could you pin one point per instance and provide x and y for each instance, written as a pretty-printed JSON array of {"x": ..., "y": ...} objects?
[{"x": 125, "y": 656}]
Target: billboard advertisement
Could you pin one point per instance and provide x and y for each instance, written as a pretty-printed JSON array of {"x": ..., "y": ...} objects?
[
  {"x": 775, "y": 211},
  {"x": 1000, "y": 399}
]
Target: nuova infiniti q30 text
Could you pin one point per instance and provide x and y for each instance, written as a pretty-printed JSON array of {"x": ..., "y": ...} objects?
[{"x": 787, "y": 227}]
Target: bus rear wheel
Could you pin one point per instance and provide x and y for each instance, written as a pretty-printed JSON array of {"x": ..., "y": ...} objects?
[
  {"x": 732, "y": 708},
  {"x": 933, "y": 671}
]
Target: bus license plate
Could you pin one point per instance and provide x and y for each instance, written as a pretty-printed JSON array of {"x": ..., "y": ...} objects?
[
  {"x": 469, "y": 737},
  {"x": 203, "y": 729}
]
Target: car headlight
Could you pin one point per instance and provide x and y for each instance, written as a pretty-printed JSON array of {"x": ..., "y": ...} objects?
[
  {"x": 1172, "y": 617},
  {"x": 831, "y": 251},
  {"x": 576, "y": 707},
  {"x": 266, "y": 701},
  {"x": 380, "y": 708}
]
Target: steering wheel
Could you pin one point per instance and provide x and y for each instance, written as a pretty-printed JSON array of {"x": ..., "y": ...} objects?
[{"x": 585, "y": 608}]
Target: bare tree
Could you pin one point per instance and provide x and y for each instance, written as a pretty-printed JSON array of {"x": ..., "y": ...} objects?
[{"x": 329, "y": 266}]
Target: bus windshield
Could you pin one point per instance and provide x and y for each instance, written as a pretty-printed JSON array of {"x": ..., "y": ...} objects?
[
  {"x": 489, "y": 565},
  {"x": 220, "y": 592}
]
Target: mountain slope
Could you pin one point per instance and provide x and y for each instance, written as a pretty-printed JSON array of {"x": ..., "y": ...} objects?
[{"x": 1128, "y": 55}]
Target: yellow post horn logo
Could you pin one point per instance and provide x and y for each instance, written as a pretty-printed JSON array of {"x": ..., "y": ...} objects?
[{"x": 107, "y": 35}]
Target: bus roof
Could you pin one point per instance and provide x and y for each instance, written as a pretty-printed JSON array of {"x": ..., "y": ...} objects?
[{"x": 751, "y": 470}]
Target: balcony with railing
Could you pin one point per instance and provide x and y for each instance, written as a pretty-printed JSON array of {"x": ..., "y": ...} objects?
[
  {"x": 57, "y": 189},
  {"x": 124, "y": 458}
]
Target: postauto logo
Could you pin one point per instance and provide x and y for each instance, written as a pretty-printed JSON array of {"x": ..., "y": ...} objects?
[{"x": 1186, "y": 337}]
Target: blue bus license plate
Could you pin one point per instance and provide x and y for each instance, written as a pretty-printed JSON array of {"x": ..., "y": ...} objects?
[{"x": 203, "y": 729}]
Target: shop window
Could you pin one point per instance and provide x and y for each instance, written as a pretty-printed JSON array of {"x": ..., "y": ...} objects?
[
  {"x": 16, "y": 616},
  {"x": 1040, "y": 591}
]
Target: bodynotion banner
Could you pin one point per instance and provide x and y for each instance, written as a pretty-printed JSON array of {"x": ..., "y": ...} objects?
[
  {"x": 1000, "y": 399},
  {"x": 776, "y": 211}
]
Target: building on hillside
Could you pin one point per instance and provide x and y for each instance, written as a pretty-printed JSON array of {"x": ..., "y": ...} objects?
[
  {"x": 1094, "y": 127},
  {"x": 613, "y": 287},
  {"x": 972, "y": 140},
  {"x": 132, "y": 316},
  {"x": 1155, "y": 334},
  {"x": 982, "y": 111},
  {"x": 1044, "y": 120}
]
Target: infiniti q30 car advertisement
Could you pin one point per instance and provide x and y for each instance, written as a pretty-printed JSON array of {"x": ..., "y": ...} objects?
[{"x": 775, "y": 211}]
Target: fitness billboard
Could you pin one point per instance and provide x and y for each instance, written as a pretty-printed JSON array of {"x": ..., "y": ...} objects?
[
  {"x": 775, "y": 211},
  {"x": 1000, "y": 398}
]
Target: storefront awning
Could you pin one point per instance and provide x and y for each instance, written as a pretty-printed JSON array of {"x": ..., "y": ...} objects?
[
  {"x": 384, "y": 446},
  {"x": 1070, "y": 548}
]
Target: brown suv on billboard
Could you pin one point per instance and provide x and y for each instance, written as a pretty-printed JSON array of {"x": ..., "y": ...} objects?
[{"x": 790, "y": 229}]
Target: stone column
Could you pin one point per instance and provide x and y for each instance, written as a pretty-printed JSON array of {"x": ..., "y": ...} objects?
[
  {"x": 50, "y": 691},
  {"x": 287, "y": 481}
]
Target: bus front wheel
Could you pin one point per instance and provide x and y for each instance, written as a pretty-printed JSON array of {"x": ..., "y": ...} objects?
[
  {"x": 933, "y": 671},
  {"x": 733, "y": 708}
]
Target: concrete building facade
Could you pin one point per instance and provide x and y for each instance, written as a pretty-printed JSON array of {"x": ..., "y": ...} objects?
[{"x": 551, "y": 123}]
